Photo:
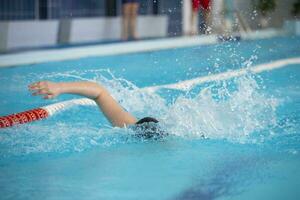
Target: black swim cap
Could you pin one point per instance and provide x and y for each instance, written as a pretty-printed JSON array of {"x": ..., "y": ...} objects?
[
  {"x": 147, "y": 120},
  {"x": 149, "y": 128}
]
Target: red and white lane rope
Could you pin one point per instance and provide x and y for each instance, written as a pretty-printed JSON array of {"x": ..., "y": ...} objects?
[
  {"x": 47, "y": 111},
  {"x": 23, "y": 117},
  {"x": 40, "y": 113}
]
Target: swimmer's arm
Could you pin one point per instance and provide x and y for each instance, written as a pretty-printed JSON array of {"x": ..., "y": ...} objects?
[{"x": 108, "y": 105}]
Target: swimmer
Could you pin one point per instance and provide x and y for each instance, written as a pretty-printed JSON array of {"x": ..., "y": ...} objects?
[{"x": 146, "y": 127}]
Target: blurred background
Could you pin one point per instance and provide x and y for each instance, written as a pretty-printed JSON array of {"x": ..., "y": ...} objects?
[{"x": 46, "y": 23}]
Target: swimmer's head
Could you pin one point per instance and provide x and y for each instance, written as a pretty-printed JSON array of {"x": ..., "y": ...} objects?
[{"x": 149, "y": 128}]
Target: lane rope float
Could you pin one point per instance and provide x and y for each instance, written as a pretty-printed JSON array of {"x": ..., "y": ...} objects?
[
  {"x": 23, "y": 117},
  {"x": 41, "y": 113},
  {"x": 47, "y": 111}
]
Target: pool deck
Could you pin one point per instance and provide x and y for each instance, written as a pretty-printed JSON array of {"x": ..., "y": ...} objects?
[{"x": 50, "y": 55}]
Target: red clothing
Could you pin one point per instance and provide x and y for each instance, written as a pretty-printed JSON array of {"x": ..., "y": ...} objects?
[{"x": 205, "y": 4}]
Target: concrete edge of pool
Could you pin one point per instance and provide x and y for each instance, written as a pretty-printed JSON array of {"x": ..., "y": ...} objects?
[{"x": 41, "y": 56}]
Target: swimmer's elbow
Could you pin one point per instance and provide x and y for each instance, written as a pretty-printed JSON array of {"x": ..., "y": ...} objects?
[{"x": 98, "y": 91}]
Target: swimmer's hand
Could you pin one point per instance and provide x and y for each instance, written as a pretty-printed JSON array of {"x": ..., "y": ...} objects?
[
  {"x": 47, "y": 89},
  {"x": 50, "y": 90}
]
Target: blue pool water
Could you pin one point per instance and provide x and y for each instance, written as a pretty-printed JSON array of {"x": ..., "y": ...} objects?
[{"x": 232, "y": 139}]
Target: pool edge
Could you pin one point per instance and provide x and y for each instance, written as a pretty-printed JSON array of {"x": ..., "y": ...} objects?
[{"x": 50, "y": 55}]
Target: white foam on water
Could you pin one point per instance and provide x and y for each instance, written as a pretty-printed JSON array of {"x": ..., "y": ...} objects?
[{"x": 243, "y": 112}]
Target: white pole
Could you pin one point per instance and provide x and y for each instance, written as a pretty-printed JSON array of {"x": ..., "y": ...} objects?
[{"x": 186, "y": 16}]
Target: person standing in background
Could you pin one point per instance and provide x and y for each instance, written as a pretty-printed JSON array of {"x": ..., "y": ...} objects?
[
  {"x": 130, "y": 12},
  {"x": 205, "y": 6}
]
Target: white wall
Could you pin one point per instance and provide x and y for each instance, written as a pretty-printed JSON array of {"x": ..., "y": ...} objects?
[
  {"x": 89, "y": 29},
  {"x": 20, "y": 34},
  {"x": 32, "y": 33},
  {"x": 152, "y": 26},
  {"x": 102, "y": 29}
]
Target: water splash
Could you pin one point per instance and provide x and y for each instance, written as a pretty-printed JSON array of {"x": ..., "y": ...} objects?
[
  {"x": 233, "y": 110},
  {"x": 232, "y": 115}
]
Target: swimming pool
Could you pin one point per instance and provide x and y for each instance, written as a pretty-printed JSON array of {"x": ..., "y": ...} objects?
[{"x": 236, "y": 138}]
